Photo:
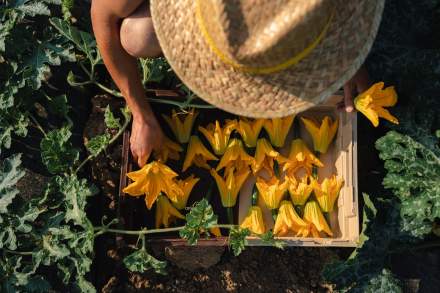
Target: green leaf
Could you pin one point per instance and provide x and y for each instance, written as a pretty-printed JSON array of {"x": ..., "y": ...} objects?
[
  {"x": 10, "y": 174},
  {"x": 66, "y": 7},
  {"x": 58, "y": 105},
  {"x": 12, "y": 122},
  {"x": 98, "y": 144},
  {"x": 369, "y": 214},
  {"x": 141, "y": 261},
  {"x": 237, "y": 239},
  {"x": 200, "y": 218},
  {"x": 84, "y": 286},
  {"x": 37, "y": 285},
  {"x": 154, "y": 69},
  {"x": 110, "y": 120},
  {"x": 414, "y": 177},
  {"x": 384, "y": 282},
  {"x": 57, "y": 152},
  {"x": 268, "y": 239},
  {"x": 76, "y": 191},
  {"x": 34, "y": 8}
]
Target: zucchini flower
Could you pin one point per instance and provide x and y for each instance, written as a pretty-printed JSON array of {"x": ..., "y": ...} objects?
[
  {"x": 371, "y": 103},
  {"x": 250, "y": 130},
  {"x": 299, "y": 191},
  {"x": 265, "y": 156},
  {"x": 235, "y": 156},
  {"x": 218, "y": 137},
  {"x": 323, "y": 134},
  {"x": 181, "y": 124},
  {"x": 165, "y": 212},
  {"x": 169, "y": 150},
  {"x": 153, "y": 179},
  {"x": 300, "y": 157},
  {"x": 313, "y": 215},
  {"x": 198, "y": 154},
  {"x": 327, "y": 192},
  {"x": 272, "y": 191},
  {"x": 187, "y": 186},
  {"x": 288, "y": 220},
  {"x": 278, "y": 128},
  {"x": 215, "y": 231},
  {"x": 254, "y": 221},
  {"x": 230, "y": 185}
]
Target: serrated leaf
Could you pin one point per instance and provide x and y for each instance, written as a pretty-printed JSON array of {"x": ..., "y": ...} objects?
[
  {"x": 84, "y": 286},
  {"x": 200, "y": 218},
  {"x": 268, "y": 239},
  {"x": 237, "y": 239},
  {"x": 10, "y": 174},
  {"x": 141, "y": 261},
  {"x": 76, "y": 191},
  {"x": 414, "y": 177},
  {"x": 34, "y": 8},
  {"x": 98, "y": 144},
  {"x": 58, "y": 105},
  {"x": 57, "y": 152},
  {"x": 384, "y": 282},
  {"x": 110, "y": 120}
]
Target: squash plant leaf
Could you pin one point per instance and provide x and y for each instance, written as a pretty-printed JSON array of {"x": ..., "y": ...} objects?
[
  {"x": 141, "y": 261},
  {"x": 10, "y": 174},
  {"x": 269, "y": 239},
  {"x": 414, "y": 177},
  {"x": 237, "y": 239},
  {"x": 98, "y": 144},
  {"x": 199, "y": 219},
  {"x": 110, "y": 120},
  {"x": 57, "y": 152}
]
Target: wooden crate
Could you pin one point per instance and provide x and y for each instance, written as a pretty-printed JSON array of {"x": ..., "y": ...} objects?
[{"x": 341, "y": 159}]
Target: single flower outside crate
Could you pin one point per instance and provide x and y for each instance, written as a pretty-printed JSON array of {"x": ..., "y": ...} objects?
[{"x": 340, "y": 159}]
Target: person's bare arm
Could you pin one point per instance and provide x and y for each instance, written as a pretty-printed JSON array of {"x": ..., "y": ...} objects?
[{"x": 106, "y": 18}]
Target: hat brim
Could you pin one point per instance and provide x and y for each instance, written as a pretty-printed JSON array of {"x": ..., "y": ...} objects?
[{"x": 334, "y": 61}]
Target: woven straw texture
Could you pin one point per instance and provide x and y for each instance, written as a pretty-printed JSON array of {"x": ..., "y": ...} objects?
[{"x": 331, "y": 63}]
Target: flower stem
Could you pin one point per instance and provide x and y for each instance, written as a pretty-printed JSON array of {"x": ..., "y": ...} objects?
[
  {"x": 103, "y": 229},
  {"x": 230, "y": 214},
  {"x": 254, "y": 196},
  {"x": 274, "y": 214}
]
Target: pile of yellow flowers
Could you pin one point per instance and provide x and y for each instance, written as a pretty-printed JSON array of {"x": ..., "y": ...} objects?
[{"x": 234, "y": 150}]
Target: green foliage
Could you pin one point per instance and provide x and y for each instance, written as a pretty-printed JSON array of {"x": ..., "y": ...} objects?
[
  {"x": 141, "y": 261},
  {"x": 10, "y": 174},
  {"x": 154, "y": 69},
  {"x": 384, "y": 282},
  {"x": 268, "y": 239},
  {"x": 237, "y": 239},
  {"x": 414, "y": 177},
  {"x": 199, "y": 219},
  {"x": 57, "y": 152},
  {"x": 110, "y": 120},
  {"x": 98, "y": 143}
]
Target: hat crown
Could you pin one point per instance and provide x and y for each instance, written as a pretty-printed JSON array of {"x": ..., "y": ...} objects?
[{"x": 263, "y": 33}]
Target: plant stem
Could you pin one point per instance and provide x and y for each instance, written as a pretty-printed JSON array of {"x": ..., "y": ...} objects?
[
  {"x": 37, "y": 124},
  {"x": 18, "y": 252},
  {"x": 101, "y": 230},
  {"x": 274, "y": 214},
  {"x": 230, "y": 214},
  {"x": 112, "y": 140}
]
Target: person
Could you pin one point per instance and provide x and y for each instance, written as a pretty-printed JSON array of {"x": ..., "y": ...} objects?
[{"x": 124, "y": 31}]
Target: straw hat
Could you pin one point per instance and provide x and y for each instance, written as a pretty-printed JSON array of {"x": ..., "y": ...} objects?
[{"x": 265, "y": 58}]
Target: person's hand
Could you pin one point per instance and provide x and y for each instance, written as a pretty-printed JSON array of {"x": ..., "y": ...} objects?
[
  {"x": 146, "y": 136},
  {"x": 359, "y": 83}
]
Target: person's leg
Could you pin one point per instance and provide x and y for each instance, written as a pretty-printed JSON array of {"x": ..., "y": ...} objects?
[{"x": 137, "y": 34}]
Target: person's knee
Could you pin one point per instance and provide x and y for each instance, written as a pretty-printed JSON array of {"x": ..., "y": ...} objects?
[{"x": 138, "y": 37}]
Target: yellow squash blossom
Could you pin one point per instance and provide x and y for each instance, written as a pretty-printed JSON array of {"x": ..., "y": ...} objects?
[
  {"x": 271, "y": 191},
  {"x": 254, "y": 221},
  {"x": 313, "y": 215},
  {"x": 169, "y": 150},
  {"x": 151, "y": 180},
  {"x": 301, "y": 157},
  {"x": 230, "y": 185},
  {"x": 165, "y": 212},
  {"x": 265, "y": 156},
  {"x": 299, "y": 190},
  {"x": 250, "y": 130},
  {"x": 278, "y": 128},
  {"x": 235, "y": 156},
  {"x": 186, "y": 186},
  {"x": 371, "y": 103},
  {"x": 181, "y": 124},
  {"x": 327, "y": 192},
  {"x": 215, "y": 231},
  {"x": 198, "y": 154},
  {"x": 288, "y": 220},
  {"x": 217, "y": 136},
  {"x": 322, "y": 134}
]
